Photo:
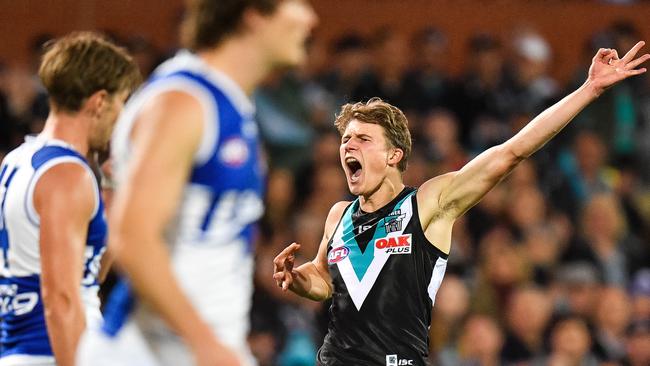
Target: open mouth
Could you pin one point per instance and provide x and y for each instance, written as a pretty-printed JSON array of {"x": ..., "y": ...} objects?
[{"x": 355, "y": 168}]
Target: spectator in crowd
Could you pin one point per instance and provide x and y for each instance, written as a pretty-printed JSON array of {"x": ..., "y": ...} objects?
[
  {"x": 480, "y": 344},
  {"x": 527, "y": 315},
  {"x": 449, "y": 313},
  {"x": 529, "y": 83},
  {"x": 604, "y": 238},
  {"x": 640, "y": 294},
  {"x": 441, "y": 141},
  {"x": 427, "y": 84},
  {"x": 350, "y": 61},
  {"x": 613, "y": 314},
  {"x": 385, "y": 78},
  {"x": 570, "y": 345},
  {"x": 638, "y": 343},
  {"x": 480, "y": 97},
  {"x": 283, "y": 117},
  {"x": 501, "y": 270},
  {"x": 576, "y": 289}
]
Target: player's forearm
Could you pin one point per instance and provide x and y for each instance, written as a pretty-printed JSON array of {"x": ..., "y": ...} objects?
[
  {"x": 481, "y": 174},
  {"x": 550, "y": 122},
  {"x": 147, "y": 263},
  {"x": 308, "y": 282},
  {"x": 66, "y": 321}
]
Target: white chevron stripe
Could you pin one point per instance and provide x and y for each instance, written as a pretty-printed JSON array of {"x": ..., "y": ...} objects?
[{"x": 359, "y": 290}]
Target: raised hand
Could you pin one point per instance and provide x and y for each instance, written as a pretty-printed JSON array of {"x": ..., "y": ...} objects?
[
  {"x": 283, "y": 266},
  {"x": 607, "y": 69}
]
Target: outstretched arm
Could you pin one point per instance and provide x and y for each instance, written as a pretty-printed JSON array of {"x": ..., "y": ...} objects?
[
  {"x": 457, "y": 192},
  {"x": 312, "y": 279}
]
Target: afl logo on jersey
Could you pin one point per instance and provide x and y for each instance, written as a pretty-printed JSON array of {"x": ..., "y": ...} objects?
[
  {"x": 234, "y": 152},
  {"x": 337, "y": 255}
]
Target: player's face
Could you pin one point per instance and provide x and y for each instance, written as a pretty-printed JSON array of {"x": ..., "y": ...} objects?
[
  {"x": 103, "y": 128},
  {"x": 285, "y": 32},
  {"x": 364, "y": 155}
]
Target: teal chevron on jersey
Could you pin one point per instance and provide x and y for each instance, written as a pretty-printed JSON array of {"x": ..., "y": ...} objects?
[{"x": 360, "y": 260}]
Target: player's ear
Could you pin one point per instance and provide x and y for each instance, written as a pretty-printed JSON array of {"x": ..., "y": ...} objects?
[
  {"x": 252, "y": 19},
  {"x": 395, "y": 155},
  {"x": 96, "y": 103}
]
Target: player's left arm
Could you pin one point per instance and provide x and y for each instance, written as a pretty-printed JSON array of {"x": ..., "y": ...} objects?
[
  {"x": 64, "y": 215},
  {"x": 457, "y": 192},
  {"x": 311, "y": 280}
]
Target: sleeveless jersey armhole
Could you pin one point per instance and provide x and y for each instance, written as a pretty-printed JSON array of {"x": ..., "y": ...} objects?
[
  {"x": 32, "y": 215},
  {"x": 420, "y": 230},
  {"x": 348, "y": 207},
  {"x": 210, "y": 135}
]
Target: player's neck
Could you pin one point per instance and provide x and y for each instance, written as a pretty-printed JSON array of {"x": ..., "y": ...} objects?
[
  {"x": 69, "y": 128},
  {"x": 242, "y": 62},
  {"x": 380, "y": 197}
]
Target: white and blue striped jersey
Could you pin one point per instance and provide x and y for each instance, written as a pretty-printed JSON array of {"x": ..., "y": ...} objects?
[
  {"x": 22, "y": 321},
  {"x": 212, "y": 233}
]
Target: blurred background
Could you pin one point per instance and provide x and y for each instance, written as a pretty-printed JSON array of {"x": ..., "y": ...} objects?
[{"x": 551, "y": 268}]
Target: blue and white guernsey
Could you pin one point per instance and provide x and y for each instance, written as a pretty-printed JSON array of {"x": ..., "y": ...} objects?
[
  {"x": 212, "y": 234},
  {"x": 23, "y": 332}
]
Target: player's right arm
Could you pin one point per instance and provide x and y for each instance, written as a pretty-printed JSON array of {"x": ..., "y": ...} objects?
[
  {"x": 64, "y": 215},
  {"x": 166, "y": 136},
  {"x": 312, "y": 279}
]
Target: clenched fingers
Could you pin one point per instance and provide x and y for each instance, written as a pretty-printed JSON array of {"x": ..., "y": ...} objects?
[{"x": 283, "y": 266}]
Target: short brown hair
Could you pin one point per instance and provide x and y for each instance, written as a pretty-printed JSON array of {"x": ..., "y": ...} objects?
[
  {"x": 80, "y": 64},
  {"x": 208, "y": 22},
  {"x": 391, "y": 118}
]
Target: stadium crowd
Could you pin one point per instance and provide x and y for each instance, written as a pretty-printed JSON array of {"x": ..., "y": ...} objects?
[{"x": 551, "y": 268}]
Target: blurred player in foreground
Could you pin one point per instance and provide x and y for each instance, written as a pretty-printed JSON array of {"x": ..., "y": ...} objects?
[
  {"x": 186, "y": 162},
  {"x": 52, "y": 226},
  {"x": 383, "y": 256}
]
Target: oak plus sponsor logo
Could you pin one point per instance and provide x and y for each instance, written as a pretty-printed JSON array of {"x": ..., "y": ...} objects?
[
  {"x": 393, "y": 360},
  {"x": 400, "y": 244},
  {"x": 337, "y": 254}
]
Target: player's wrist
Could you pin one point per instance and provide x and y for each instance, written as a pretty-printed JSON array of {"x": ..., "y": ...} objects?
[
  {"x": 196, "y": 333},
  {"x": 592, "y": 89}
]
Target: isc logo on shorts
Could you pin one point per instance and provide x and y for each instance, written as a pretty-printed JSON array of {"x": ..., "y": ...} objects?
[
  {"x": 395, "y": 244},
  {"x": 337, "y": 255},
  {"x": 393, "y": 360}
]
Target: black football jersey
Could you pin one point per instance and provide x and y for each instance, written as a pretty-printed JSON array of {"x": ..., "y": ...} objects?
[{"x": 385, "y": 275}]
